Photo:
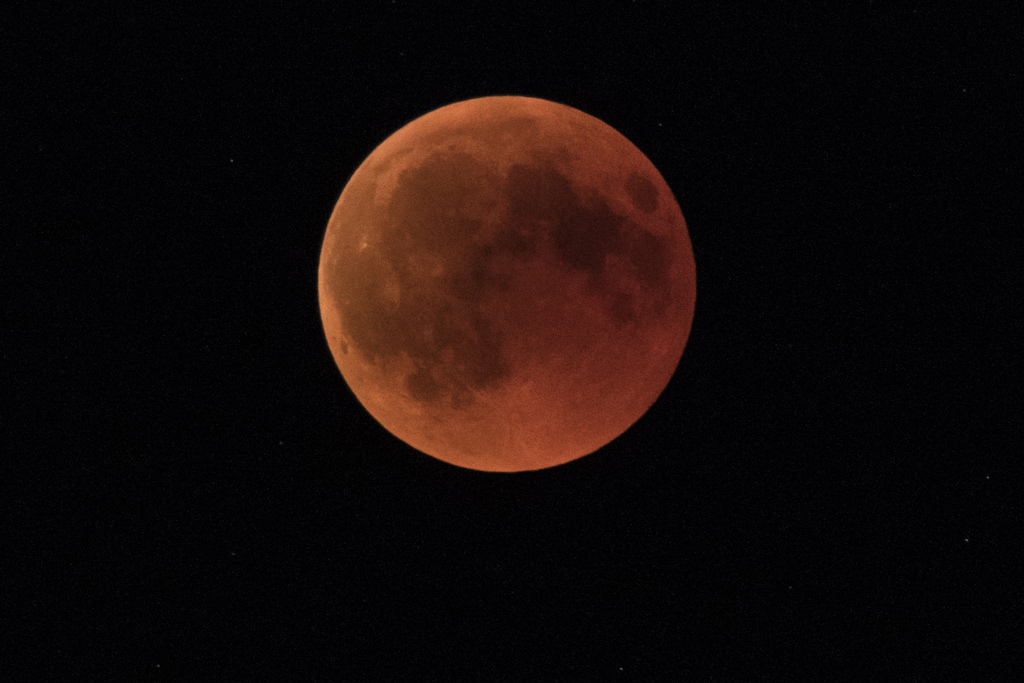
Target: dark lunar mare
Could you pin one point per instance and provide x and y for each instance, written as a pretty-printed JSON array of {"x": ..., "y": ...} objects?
[{"x": 436, "y": 215}]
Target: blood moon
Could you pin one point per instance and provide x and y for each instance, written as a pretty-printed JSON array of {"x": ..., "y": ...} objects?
[{"x": 507, "y": 284}]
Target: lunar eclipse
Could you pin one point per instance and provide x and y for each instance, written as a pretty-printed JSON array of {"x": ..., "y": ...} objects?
[{"x": 507, "y": 284}]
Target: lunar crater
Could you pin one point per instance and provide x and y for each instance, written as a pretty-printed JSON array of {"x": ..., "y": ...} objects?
[{"x": 642, "y": 193}]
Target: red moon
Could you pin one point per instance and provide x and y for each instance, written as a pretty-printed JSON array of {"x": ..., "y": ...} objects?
[{"x": 507, "y": 284}]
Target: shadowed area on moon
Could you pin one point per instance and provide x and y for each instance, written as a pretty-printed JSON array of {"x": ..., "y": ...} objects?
[{"x": 446, "y": 242}]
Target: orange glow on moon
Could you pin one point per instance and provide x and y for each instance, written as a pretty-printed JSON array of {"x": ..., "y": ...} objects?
[{"x": 507, "y": 284}]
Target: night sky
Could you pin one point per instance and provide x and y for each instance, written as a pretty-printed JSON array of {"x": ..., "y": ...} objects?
[{"x": 824, "y": 490}]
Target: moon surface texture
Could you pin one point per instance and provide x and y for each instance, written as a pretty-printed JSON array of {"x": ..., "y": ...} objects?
[{"x": 507, "y": 284}]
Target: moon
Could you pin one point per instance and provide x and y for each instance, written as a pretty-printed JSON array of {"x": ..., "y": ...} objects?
[{"x": 507, "y": 284}]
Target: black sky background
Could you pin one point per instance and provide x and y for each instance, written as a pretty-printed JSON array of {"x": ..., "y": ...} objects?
[{"x": 825, "y": 488}]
